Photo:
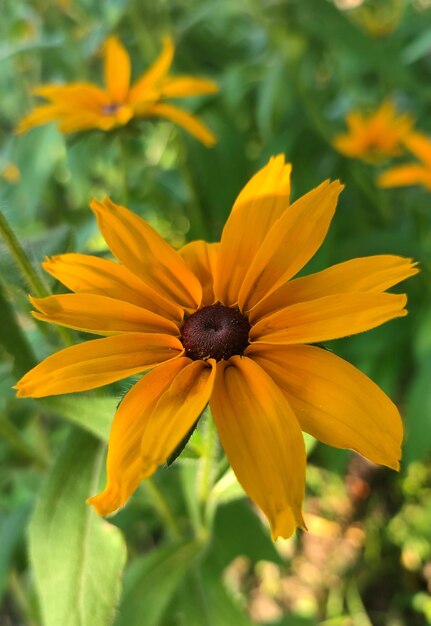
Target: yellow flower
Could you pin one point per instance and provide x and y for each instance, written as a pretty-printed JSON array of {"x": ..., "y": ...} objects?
[
  {"x": 227, "y": 324},
  {"x": 374, "y": 137},
  {"x": 413, "y": 173},
  {"x": 84, "y": 106}
]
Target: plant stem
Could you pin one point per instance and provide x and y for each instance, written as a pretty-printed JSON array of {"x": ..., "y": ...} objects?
[
  {"x": 162, "y": 508},
  {"x": 34, "y": 282},
  {"x": 207, "y": 461}
]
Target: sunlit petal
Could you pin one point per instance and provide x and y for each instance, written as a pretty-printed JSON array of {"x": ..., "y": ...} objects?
[
  {"x": 146, "y": 254},
  {"x": 290, "y": 243},
  {"x": 201, "y": 258},
  {"x": 259, "y": 205}
]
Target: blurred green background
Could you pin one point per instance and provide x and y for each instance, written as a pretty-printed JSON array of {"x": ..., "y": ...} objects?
[{"x": 288, "y": 70}]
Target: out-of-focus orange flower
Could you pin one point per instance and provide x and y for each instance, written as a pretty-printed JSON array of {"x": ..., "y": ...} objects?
[
  {"x": 84, "y": 106},
  {"x": 414, "y": 172},
  {"x": 374, "y": 137}
]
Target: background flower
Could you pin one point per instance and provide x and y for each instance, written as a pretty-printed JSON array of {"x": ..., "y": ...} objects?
[{"x": 83, "y": 106}]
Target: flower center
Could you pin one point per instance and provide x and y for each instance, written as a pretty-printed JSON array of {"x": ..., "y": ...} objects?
[
  {"x": 110, "y": 109},
  {"x": 215, "y": 332}
]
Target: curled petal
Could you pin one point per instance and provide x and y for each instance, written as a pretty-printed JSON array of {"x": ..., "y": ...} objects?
[{"x": 151, "y": 420}]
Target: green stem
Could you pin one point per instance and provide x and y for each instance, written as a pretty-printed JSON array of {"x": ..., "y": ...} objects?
[
  {"x": 162, "y": 508},
  {"x": 35, "y": 283},
  {"x": 13, "y": 437},
  {"x": 124, "y": 169},
  {"x": 207, "y": 462}
]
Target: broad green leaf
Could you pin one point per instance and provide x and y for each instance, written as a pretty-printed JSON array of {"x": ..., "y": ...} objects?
[
  {"x": 151, "y": 582},
  {"x": 77, "y": 558},
  {"x": 91, "y": 413},
  {"x": 239, "y": 531},
  {"x": 203, "y": 600}
]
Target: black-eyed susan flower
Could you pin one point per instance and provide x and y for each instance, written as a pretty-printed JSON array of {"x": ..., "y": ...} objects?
[
  {"x": 414, "y": 172},
  {"x": 376, "y": 136},
  {"x": 227, "y": 324},
  {"x": 84, "y": 106}
]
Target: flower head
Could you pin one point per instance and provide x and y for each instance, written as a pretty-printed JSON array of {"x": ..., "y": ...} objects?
[
  {"x": 227, "y": 324},
  {"x": 84, "y": 106},
  {"x": 374, "y": 137},
  {"x": 414, "y": 172}
]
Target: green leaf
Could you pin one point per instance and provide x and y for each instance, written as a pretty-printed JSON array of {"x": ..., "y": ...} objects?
[
  {"x": 94, "y": 414},
  {"x": 152, "y": 581},
  {"x": 203, "y": 599},
  {"x": 11, "y": 533},
  {"x": 77, "y": 558}
]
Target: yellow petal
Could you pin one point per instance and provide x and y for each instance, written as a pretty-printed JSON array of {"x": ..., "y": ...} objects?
[
  {"x": 98, "y": 362},
  {"x": 334, "y": 401},
  {"x": 259, "y": 205},
  {"x": 404, "y": 176},
  {"x": 290, "y": 243},
  {"x": 185, "y": 86},
  {"x": 372, "y": 273},
  {"x": 189, "y": 122},
  {"x": 117, "y": 70},
  {"x": 330, "y": 317},
  {"x": 152, "y": 78},
  {"x": 40, "y": 115},
  {"x": 100, "y": 315},
  {"x": 201, "y": 258},
  {"x": 89, "y": 274},
  {"x": 152, "y": 419},
  {"x": 420, "y": 146},
  {"x": 262, "y": 440},
  {"x": 146, "y": 254},
  {"x": 74, "y": 97}
]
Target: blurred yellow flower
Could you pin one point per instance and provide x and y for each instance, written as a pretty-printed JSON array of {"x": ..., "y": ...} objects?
[
  {"x": 11, "y": 173},
  {"x": 414, "y": 172},
  {"x": 374, "y": 137},
  {"x": 225, "y": 324},
  {"x": 84, "y": 106}
]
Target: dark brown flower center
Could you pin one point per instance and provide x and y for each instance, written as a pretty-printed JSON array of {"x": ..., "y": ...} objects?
[
  {"x": 215, "y": 332},
  {"x": 110, "y": 109}
]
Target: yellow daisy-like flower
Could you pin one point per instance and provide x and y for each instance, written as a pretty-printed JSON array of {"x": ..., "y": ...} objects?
[
  {"x": 413, "y": 173},
  {"x": 374, "y": 137},
  {"x": 227, "y": 324},
  {"x": 84, "y": 106}
]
